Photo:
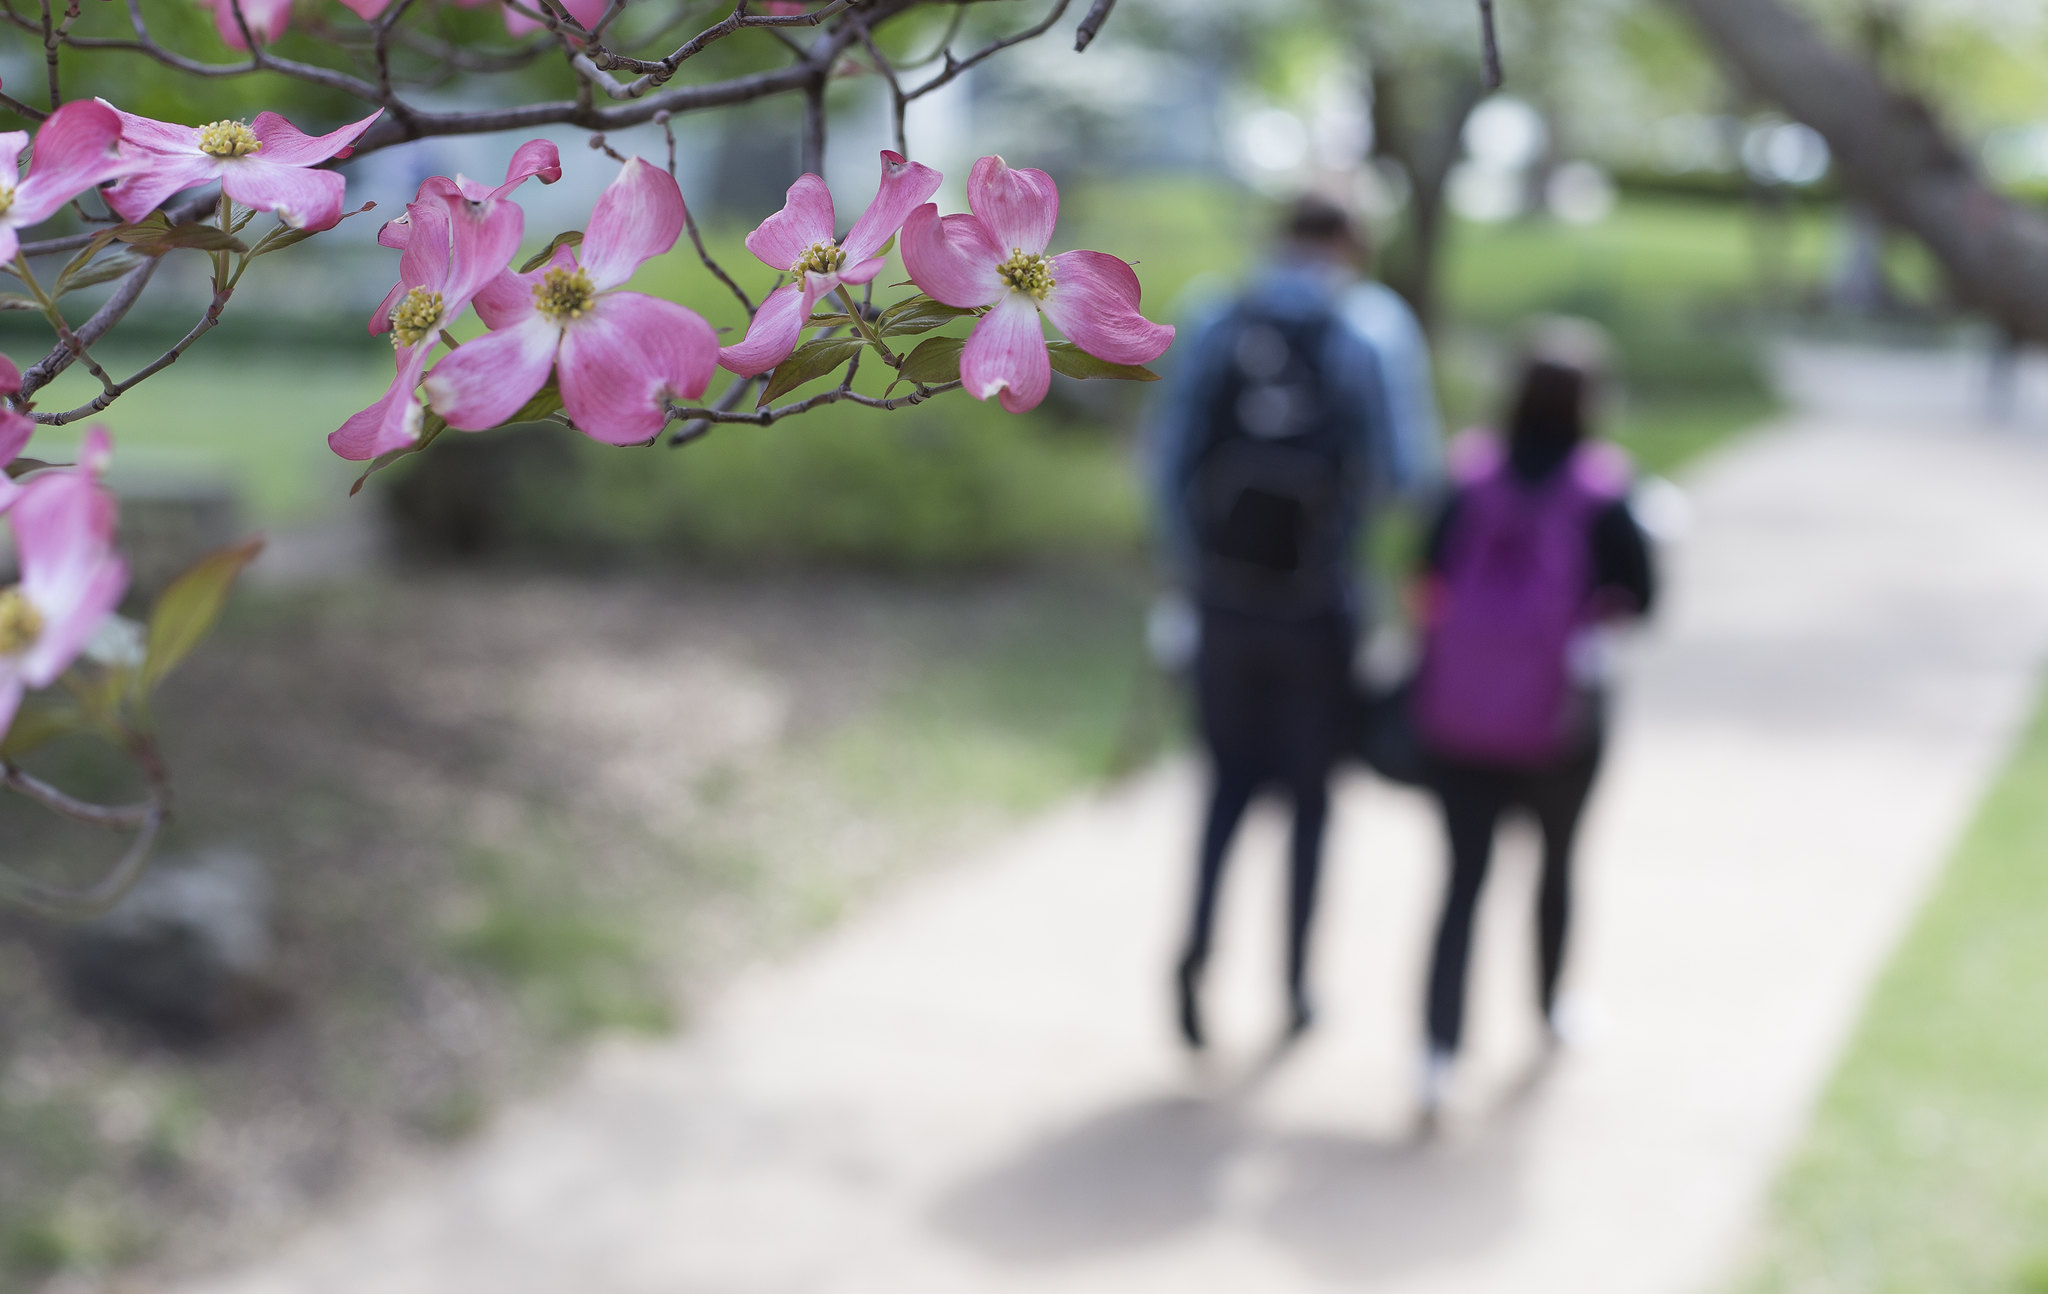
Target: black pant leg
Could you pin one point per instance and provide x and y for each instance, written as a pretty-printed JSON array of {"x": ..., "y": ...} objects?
[
  {"x": 1231, "y": 790},
  {"x": 1471, "y": 800},
  {"x": 1305, "y": 859},
  {"x": 1557, "y": 798}
]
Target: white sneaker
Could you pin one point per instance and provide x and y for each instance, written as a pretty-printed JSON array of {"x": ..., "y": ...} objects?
[
  {"x": 1574, "y": 1024},
  {"x": 1437, "y": 1068}
]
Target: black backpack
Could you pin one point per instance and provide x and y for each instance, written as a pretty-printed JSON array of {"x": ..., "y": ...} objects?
[{"x": 1274, "y": 470}]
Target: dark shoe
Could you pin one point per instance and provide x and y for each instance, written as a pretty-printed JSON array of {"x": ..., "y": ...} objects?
[
  {"x": 1190, "y": 1007},
  {"x": 1301, "y": 1013}
]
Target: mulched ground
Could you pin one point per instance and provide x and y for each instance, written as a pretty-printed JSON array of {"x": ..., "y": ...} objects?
[{"x": 500, "y": 811}]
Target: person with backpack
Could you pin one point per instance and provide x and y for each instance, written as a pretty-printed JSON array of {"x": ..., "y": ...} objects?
[
  {"x": 1533, "y": 554},
  {"x": 1296, "y": 406}
]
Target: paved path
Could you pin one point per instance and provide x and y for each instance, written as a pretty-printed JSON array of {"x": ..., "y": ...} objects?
[{"x": 971, "y": 1088}]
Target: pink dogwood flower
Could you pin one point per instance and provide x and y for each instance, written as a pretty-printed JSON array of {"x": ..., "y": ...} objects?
[
  {"x": 962, "y": 260},
  {"x": 267, "y": 20},
  {"x": 76, "y": 148},
  {"x": 799, "y": 240},
  {"x": 620, "y": 356},
  {"x": 586, "y": 12},
  {"x": 15, "y": 430},
  {"x": 454, "y": 249},
  {"x": 264, "y": 164},
  {"x": 71, "y": 578},
  {"x": 534, "y": 159}
]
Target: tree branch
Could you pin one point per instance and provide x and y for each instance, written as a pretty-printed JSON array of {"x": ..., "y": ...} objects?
[{"x": 1893, "y": 152}]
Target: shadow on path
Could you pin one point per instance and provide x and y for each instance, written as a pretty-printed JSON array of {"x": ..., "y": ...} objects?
[{"x": 1341, "y": 1204}]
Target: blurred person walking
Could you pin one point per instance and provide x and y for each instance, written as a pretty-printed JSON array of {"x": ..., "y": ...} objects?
[
  {"x": 1297, "y": 407},
  {"x": 1533, "y": 555}
]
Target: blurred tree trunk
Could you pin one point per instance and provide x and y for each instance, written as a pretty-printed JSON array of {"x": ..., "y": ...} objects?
[
  {"x": 1418, "y": 118},
  {"x": 1893, "y": 153}
]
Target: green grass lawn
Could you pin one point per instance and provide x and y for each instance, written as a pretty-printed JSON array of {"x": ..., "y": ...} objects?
[{"x": 1926, "y": 1168}]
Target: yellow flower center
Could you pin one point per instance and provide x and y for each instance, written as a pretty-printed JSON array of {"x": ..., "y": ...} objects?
[
  {"x": 563, "y": 295},
  {"x": 823, "y": 258},
  {"x": 413, "y": 319},
  {"x": 1027, "y": 272},
  {"x": 6, "y": 197},
  {"x": 227, "y": 139},
  {"x": 20, "y": 623}
]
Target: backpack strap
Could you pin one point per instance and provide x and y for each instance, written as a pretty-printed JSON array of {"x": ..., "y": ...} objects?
[
  {"x": 1602, "y": 469},
  {"x": 1474, "y": 455}
]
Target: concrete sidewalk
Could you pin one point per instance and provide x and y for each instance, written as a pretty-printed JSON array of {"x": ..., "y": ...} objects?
[{"x": 973, "y": 1087}]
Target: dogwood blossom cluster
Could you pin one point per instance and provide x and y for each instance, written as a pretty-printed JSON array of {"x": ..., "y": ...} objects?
[
  {"x": 69, "y": 576},
  {"x": 620, "y": 360}
]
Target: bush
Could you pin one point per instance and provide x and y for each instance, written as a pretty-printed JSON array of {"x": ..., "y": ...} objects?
[{"x": 945, "y": 485}]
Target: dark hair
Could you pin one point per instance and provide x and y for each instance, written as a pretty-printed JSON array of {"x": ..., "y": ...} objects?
[
  {"x": 1564, "y": 365},
  {"x": 1313, "y": 218},
  {"x": 1315, "y": 221}
]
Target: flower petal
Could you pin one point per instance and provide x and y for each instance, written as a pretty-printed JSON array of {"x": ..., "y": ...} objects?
[
  {"x": 366, "y": 9},
  {"x": 534, "y": 159},
  {"x": 863, "y": 272},
  {"x": 286, "y": 145},
  {"x": 806, "y": 218},
  {"x": 1006, "y": 353},
  {"x": 79, "y": 146},
  {"x": 622, "y": 363},
  {"x": 69, "y": 626},
  {"x": 951, "y": 258},
  {"x": 64, "y": 529},
  {"x": 638, "y": 216},
  {"x": 771, "y": 336},
  {"x": 507, "y": 299},
  {"x": 1094, "y": 301},
  {"x": 424, "y": 262},
  {"x": 391, "y": 423},
  {"x": 11, "y": 144},
  {"x": 15, "y": 430},
  {"x": 267, "y": 20},
  {"x": 157, "y": 177},
  {"x": 483, "y": 237},
  {"x": 10, "y": 695},
  {"x": 486, "y": 381},
  {"x": 151, "y": 135},
  {"x": 1018, "y": 207},
  {"x": 301, "y": 198},
  {"x": 10, "y": 376},
  {"x": 906, "y": 186}
]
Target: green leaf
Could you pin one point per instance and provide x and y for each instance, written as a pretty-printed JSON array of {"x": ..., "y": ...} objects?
[
  {"x": 155, "y": 234},
  {"x": 829, "y": 321},
  {"x": 919, "y": 314},
  {"x": 111, "y": 267},
  {"x": 431, "y": 426},
  {"x": 185, "y": 611},
  {"x": 545, "y": 401},
  {"x": 23, "y": 466},
  {"x": 279, "y": 238},
  {"x": 78, "y": 263},
  {"x": 1071, "y": 360},
  {"x": 812, "y": 360},
  {"x": 567, "y": 238},
  {"x": 41, "y": 720},
  {"x": 16, "y": 301},
  {"x": 935, "y": 361}
]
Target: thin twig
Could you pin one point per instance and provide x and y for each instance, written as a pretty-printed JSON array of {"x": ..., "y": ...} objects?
[
  {"x": 111, "y": 312},
  {"x": 763, "y": 417},
  {"x": 115, "y": 390},
  {"x": 955, "y": 66},
  {"x": 1098, "y": 13},
  {"x": 148, "y": 818},
  {"x": 1490, "y": 44}
]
